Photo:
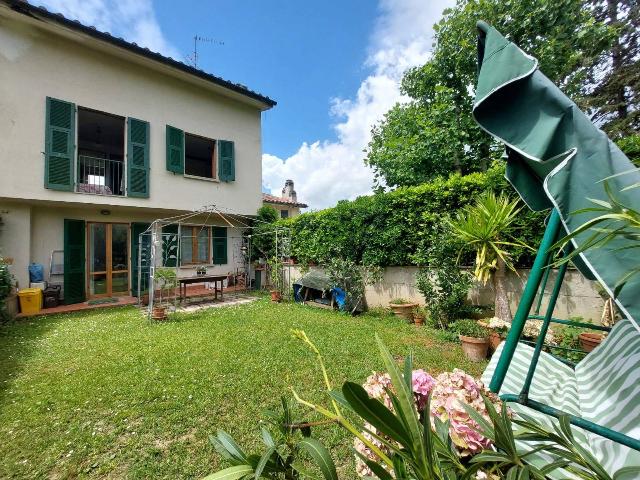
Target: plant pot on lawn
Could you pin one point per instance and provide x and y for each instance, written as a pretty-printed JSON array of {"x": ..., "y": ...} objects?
[
  {"x": 276, "y": 296},
  {"x": 494, "y": 341},
  {"x": 474, "y": 339},
  {"x": 402, "y": 309},
  {"x": 159, "y": 313},
  {"x": 589, "y": 341},
  {"x": 419, "y": 316}
]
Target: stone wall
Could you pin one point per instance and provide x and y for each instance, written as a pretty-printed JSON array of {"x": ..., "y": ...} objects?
[{"x": 578, "y": 297}]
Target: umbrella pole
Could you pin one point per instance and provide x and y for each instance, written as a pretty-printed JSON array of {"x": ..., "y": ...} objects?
[{"x": 526, "y": 302}]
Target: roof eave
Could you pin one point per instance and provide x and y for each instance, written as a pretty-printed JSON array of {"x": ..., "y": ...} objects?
[{"x": 182, "y": 70}]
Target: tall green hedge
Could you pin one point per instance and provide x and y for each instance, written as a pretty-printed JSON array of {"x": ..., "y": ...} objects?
[{"x": 390, "y": 228}]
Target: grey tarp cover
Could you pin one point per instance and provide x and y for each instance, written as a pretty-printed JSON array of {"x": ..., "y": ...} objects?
[
  {"x": 314, "y": 279},
  {"x": 556, "y": 156}
]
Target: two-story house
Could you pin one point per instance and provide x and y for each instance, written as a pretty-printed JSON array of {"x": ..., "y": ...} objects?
[{"x": 99, "y": 137}]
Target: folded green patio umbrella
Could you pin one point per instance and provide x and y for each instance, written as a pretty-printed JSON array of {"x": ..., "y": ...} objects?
[{"x": 557, "y": 158}]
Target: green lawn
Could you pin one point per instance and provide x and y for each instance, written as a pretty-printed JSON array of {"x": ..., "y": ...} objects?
[{"x": 106, "y": 394}]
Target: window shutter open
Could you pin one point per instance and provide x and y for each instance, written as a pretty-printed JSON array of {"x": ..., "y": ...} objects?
[
  {"x": 219, "y": 245},
  {"x": 226, "y": 161},
  {"x": 175, "y": 150},
  {"x": 74, "y": 261},
  {"x": 59, "y": 144},
  {"x": 137, "y": 158}
]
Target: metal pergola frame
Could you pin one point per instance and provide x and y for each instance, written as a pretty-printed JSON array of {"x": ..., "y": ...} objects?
[{"x": 156, "y": 242}]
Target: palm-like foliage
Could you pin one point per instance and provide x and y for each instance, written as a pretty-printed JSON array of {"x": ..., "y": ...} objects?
[
  {"x": 614, "y": 220},
  {"x": 484, "y": 227}
]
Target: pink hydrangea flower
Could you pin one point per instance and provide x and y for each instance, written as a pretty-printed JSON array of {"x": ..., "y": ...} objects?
[{"x": 422, "y": 384}]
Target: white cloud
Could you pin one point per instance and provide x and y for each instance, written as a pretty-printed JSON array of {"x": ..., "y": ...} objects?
[
  {"x": 135, "y": 21},
  {"x": 328, "y": 171}
]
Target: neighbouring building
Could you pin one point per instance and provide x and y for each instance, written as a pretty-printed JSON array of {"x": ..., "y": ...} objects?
[
  {"x": 99, "y": 137},
  {"x": 287, "y": 205}
]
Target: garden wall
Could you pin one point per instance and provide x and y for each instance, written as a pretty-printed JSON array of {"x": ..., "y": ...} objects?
[{"x": 578, "y": 297}]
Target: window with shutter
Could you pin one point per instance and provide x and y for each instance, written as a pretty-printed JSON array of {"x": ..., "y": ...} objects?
[
  {"x": 137, "y": 158},
  {"x": 74, "y": 261},
  {"x": 219, "y": 245},
  {"x": 226, "y": 161},
  {"x": 175, "y": 150},
  {"x": 59, "y": 144}
]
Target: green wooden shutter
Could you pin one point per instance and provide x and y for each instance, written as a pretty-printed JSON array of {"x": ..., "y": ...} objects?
[
  {"x": 219, "y": 245},
  {"x": 226, "y": 161},
  {"x": 137, "y": 158},
  {"x": 175, "y": 150},
  {"x": 74, "y": 261},
  {"x": 136, "y": 230},
  {"x": 59, "y": 144},
  {"x": 170, "y": 246}
]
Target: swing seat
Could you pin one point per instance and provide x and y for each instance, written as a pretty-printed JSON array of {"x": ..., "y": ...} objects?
[{"x": 604, "y": 388}]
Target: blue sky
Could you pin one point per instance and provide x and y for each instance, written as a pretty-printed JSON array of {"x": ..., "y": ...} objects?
[
  {"x": 333, "y": 67},
  {"x": 301, "y": 54}
]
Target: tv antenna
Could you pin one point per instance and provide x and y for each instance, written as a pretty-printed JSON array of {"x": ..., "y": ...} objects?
[{"x": 193, "y": 58}]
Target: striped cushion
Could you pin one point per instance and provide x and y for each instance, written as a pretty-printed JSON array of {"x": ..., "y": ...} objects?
[
  {"x": 609, "y": 393},
  {"x": 604, "y": 389}
]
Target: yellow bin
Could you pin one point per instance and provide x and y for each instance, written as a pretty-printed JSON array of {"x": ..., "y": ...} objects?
[{"x": 30, "y": 300}]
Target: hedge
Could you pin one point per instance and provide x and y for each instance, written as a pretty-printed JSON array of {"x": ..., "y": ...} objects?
[{"x": 389, "y": 228}]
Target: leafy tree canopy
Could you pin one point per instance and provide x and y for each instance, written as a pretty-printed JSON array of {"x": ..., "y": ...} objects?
[{"x": 434, "y": 133}]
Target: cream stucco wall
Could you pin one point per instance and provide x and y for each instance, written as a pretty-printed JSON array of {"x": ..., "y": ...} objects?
[
  {"x": 293, "y": 211},
  {"x": 36, "y": 63},
  {"x": 31, "y": 232}
]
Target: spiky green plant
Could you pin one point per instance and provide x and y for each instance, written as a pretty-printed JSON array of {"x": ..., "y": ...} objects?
[{"x": 484, "y": 227}]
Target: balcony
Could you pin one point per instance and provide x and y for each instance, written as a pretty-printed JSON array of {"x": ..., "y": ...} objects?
[{"x": 100, "y": 176}]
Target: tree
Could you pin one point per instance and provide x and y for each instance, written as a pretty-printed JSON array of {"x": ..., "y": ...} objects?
[
  {"x": 263, "y": 237},
  {"x": 485, "y": 227},
  {"x": 434, "y": 133},
  {"x": 613, "y": 93}
]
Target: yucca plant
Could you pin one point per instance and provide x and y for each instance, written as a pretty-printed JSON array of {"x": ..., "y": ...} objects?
[{"x": 484, "y": 227}]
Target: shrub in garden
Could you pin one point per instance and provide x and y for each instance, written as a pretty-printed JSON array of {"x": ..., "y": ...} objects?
[
  {"x": 470, "y": 328},
  {"x": 443, "y": 284},
  {"x": 388, "y": 228},
  {"x": 6, "y": 284}
]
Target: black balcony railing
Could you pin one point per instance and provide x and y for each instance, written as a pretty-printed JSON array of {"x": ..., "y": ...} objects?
[{"x": 100, "y": 176}]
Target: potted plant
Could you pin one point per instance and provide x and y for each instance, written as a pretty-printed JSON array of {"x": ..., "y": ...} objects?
[
  {"x": 276, "y": 276},
  {"x": 167, "y": 280},
  {"x": 402, "y": 308},
  {"x": 474, "y": 338},
  {"x": 419, "y": 316},
  {"x": 498, "y": 329},
  {"x": 590, "y": 340}
]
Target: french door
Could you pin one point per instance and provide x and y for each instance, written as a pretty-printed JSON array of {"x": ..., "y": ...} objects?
[{"x": 107, "y": 259}]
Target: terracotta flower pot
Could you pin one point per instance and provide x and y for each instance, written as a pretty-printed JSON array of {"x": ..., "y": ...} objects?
[
  {"x": 494, "y": 341},
  {"x": 418, "y": 319},
  {"x": 276, "y": 296},
  {"x": 403, "y": 310},
  {"x": 159, "y": 313},
  {"x": 589, "y": 341},
  {"x": 475, "y": 349}
]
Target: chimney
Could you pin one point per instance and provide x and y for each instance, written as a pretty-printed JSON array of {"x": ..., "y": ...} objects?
[{"x": 288, "y": 191}]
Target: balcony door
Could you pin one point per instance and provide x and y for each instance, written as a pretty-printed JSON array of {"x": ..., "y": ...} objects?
[{"x": 107, "y": 259}]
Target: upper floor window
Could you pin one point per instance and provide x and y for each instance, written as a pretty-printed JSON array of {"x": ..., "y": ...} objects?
[
  {"x": 199, "y": 156},
  {"x": 101, "y": 162},
  {"x": 189, "y": 154},
  {"x": 284, "y": 213},
  {"x": 100, "y": 165}
]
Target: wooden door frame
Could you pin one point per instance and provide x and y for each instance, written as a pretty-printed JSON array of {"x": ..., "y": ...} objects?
[{"x": 108, "y": 260}]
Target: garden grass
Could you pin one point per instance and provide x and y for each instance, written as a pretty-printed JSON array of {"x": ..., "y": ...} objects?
[{"x": 106, "y": 394}]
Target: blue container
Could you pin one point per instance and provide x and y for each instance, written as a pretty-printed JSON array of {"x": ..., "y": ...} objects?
[{"x": 36, "y": 273}]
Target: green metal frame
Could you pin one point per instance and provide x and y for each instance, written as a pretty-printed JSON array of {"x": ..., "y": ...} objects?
[{"x": 538, "y": 279}]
